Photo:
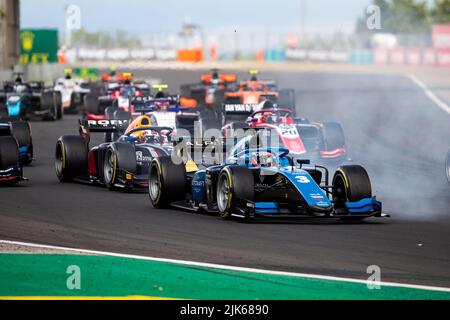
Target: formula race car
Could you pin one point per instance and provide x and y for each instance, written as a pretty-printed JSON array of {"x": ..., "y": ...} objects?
[
  {"x": 211, "y": 89},
  {"x": 313, "y": 140},
  {"x": 114, "y": 94},
  {"x": 209, "y": 94},
  {"x": 169, "y": 111},
  {"x": 119, "y": 164},
  {"x": 27, "y": 100},
  {"x": 72, "y": 91},
  {"x": 16, "y": 150},
  {"x": 263, "y": 182},
  {"x": 254, "y": 91}
]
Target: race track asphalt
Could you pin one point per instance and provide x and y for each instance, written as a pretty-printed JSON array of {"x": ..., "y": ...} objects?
[{"x": 391, "y": 127}]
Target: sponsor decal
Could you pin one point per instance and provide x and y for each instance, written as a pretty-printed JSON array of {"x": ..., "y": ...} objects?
[
  {"x": 316, "y": 196},
  {"x": 302, "y": 179},
  {"x": 107, "y": 123},
  {"x": 239, "y": 107},
  {"x": 198, "y": 183},
  {"x": 140, "y": 157}
]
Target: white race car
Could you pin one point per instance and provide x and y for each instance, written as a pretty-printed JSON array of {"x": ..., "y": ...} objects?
[{"x": 72, "y": 92}]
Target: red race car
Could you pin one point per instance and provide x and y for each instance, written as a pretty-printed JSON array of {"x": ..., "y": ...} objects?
[
  {"x": 116, "y": 95},
  {"x": 300, "y": 136}
]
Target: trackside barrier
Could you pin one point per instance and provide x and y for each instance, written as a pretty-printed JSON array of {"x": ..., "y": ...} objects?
[
  {"x": 412, "y": 56},
  {"x": 274, "y": 55}
]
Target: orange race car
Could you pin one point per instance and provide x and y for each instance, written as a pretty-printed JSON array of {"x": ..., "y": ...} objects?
[
  {"x": 254, "y": 91},
  {"x": 210, "y": 91}
]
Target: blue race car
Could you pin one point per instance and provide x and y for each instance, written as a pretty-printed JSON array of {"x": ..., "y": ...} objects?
[
  {"x": 263, "y": 182},
  {"x": 26, "y": 100}
]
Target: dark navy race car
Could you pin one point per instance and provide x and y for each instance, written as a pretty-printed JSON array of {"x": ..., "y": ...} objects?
[
  {"x": 16, "y": 150},
  {"x": 263, "y": 182},
  {"x": 120, "y": 164}
]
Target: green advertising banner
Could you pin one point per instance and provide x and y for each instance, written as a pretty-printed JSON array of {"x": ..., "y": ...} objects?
[{"x": 38, "y": 46}]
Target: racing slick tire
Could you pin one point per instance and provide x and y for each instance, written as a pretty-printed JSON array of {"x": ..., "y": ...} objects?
[
  {"x": 91, "y": 103},
  {"x": 333, "y": 136},
  {"x": 119, "y": 155},
  {"x": 48, "y": 104},
  {"x": 166, "y": 182},
  {"x": 234, "y": 183},
  {"x": 57, "y": 100},
  {"x": 71, "y": 157},
  {"x": 21, "y": 130},
  {"x": 351, "y": 183},
  {"x": 447, "y": 166},
  {"x": 9, "y": 152},
  {"x": 9, "y": 155}
]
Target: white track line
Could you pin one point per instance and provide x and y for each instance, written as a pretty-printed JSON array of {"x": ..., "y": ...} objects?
[
  {"x": 227, "y": 267},
  {"x": 441, "y": 104}
]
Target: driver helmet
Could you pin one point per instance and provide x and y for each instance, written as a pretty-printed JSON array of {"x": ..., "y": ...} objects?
[
  {"x": 149, "y": 136},
  {"x": 18, "y": 79},
  {"x": 263, "y": 159}
]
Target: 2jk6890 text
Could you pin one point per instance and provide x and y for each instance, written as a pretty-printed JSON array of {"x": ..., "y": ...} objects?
[{"x": 229, "y": 310}]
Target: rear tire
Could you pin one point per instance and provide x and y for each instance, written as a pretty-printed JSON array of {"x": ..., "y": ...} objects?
[
  {"x": 91, "y": 103},
  {"x": 166, "y": 182},
  {"x": 119, "y": 155},
  {"x": 71, "y": 158},
  {"x": 48, "y": 103},
  {"x": 9, "y": 152},
  {"x": 57, "y": 98},
  {"x": 234, "y": 183},
  {"x": 9, "y": 155},
  {"x": 21, "y": 130}
]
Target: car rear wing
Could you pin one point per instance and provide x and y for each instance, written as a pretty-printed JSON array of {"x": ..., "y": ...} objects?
[
  {"x": 87, "y": 126},
  {"x": 238, "y": 109},
  {"x": 149, "y": 104}
]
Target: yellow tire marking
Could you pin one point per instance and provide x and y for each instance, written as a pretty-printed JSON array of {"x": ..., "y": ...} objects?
[
  {"x": 159, "y": 181},
  {"x": 230, "y": 194},
  {"x": 63, "y": 152},
  {"x": 114, "y": 167},
  {"x": 345, "y": 180}
]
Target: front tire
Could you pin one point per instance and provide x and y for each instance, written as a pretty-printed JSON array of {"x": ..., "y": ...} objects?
[
  {"x": 119, "y": 155},
  {"x": 351, "y": 184},
  {"x": 234, "y": 183},
  {"x": 166, "y": 182}
]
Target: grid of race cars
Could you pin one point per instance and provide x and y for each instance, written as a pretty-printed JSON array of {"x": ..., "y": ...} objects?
[{"x": 235, "y": 147}]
